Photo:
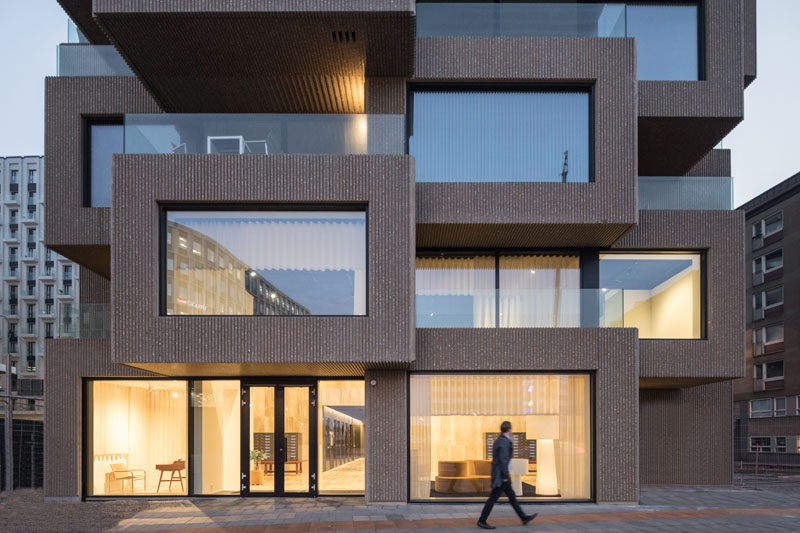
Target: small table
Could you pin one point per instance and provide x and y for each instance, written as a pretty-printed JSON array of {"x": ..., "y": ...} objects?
[{"x": 269, "y": 466}]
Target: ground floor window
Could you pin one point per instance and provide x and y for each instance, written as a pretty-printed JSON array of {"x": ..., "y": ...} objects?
[
  {"x": 216, "y": 451},
  {"x": 137, "y": 437},
  {"x": 341, "y": 437},
  {"x": 454, "y": 420}
]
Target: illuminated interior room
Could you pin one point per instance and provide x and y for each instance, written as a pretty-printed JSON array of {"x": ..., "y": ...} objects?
[
  {"x": 661, "y": 292},
  {"x": 340, "y": 437},
  {"x": 456, "y": 418},
  {"x": 217, "y": 436},
  {"x": 138, "y": 437}
]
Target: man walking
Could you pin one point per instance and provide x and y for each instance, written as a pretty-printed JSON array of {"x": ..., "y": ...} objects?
[{"x": 502, "y": 450}]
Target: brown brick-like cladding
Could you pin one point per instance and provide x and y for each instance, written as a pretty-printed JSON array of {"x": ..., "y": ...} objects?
[
  {"x": 749, "y": 42},
  {"x": 714, "y": 164},
  {"x": 77, "y": 232},
  {"x": 384, "y": 183},
  {"x": 80, "y": 11},
  {"x": 612, "y": 354},
  {"x": 719, "y": 234},
  {"x": 386, "y": 429},
  {"x": 687, "y": 436},
  {"x": 248, "y": 64},
  {"x": 538, "y": 214},
  {"x": 680, "y": 121}
]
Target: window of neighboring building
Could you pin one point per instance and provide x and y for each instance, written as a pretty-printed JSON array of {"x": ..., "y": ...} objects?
[
  {"x": 765, "y": 264},
  {"x": 454, "y": 420},
  {"x": 761, "y": 408},
  {"x": 276, "y": 263},
  {"x": 780, "y": 444},
  {"x": 766, "y": 300},
  {"x": 490, "y": 135},
  {"x": 48, "y": 330},
  {"x": 134, "y": 425},
  {"x": 104, "y": 137},
  {"x": 760, "y": 444},
  {"x": 769, "y": 372},
  {"x": 768, "y": 339},
  {"x": 780, "y": 406},
  {"x": 658, "y": 292}
]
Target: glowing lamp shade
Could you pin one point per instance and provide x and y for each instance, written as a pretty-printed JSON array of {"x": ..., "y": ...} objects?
[{"x": 544, "y": 429}]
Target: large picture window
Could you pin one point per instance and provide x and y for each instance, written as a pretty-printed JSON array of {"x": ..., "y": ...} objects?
[
  {"x": 265, "y": 263},
  {"x": 661, "y": 292},
  {"x": 341, "y": 437},
  {"x": 455, "y": 419},
  {"x": 217, "y": 427},
  {"x": 487, "y": 291},
  {"x": 486, "y": 135},
  {"x": 137, "y": 437}
]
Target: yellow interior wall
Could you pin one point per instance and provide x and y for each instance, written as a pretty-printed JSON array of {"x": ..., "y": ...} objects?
[{"x": 673, "y": 313}]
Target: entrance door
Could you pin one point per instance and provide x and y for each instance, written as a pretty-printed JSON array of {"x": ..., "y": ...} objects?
[{"x": 278, "y": 438}]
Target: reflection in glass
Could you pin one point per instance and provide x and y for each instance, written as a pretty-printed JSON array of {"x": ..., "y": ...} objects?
[
  {"x": 666, "y": 41},
  {"x": 505, "y": 136},
  {"x": 262, "y": 439},
  {"x": 217, "y": 437},
  {"x": 266, "y": 263},
  {"x": 341, "y": 437},
  {"x": 520, "y": 19},
  {"x": 106, "y": 140},
  {"x": 296, "y": 423},
  {"x": 456, "y": 418},
  {"x": 661, "y": 295},
  {"x": 137, "y": 441}
]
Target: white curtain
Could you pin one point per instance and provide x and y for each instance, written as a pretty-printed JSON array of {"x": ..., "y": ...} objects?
[
  {"x": 450, "y": 415},
  {"x": 539, "y": 291},
  {"x": 461, "y": 276},
  {"x": 139, "y": 423}
]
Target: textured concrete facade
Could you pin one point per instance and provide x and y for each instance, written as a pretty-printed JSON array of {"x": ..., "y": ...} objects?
[
  {"x": 74, "y": 230},
  {"x": 661, "y": 409},
  {"x": 383, "y": 184},
  {"x": 538, "y": 214}
]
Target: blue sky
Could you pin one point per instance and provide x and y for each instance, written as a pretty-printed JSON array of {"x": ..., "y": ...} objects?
[{"x": 766, "y": 149}]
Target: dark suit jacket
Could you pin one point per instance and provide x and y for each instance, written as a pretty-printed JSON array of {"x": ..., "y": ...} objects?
[{"x": 502, "y": 450}]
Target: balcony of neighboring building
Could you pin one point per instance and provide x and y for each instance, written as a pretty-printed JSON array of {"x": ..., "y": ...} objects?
[{"x": 266, "y": 56}]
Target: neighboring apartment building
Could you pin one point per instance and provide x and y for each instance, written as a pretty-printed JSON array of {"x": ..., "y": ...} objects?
[
  {"x": 36, "y": 281},
  {"x": 767, "y": 400},
  {"x": 482, "y": 211}
]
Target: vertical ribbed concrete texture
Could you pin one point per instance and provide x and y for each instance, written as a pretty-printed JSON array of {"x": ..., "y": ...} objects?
[
  {"x": 687, "y": 435},
  {"x": 387, "y": 436}
]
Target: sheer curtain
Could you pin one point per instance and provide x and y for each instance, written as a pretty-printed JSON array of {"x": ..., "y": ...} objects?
[
  {"x": 539, "y": 291},
  {"x": 472, "y": 277},
  {"x": 450, "y": 415},
  {"x": 139, "y": 423}
]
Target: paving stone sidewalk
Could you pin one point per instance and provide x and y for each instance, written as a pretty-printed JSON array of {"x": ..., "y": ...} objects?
[{"x": 661, "y": 509}]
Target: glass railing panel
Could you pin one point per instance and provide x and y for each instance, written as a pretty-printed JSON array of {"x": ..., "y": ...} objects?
[
  {"x": 519, "y": 308},
  {"x": 686, "y": 193},
  {"x": 90, "y": 60},
  {"x": 337, "y": 134},
  {"x": 84, "y": 321},
  {"x": 456, "y": 19}
]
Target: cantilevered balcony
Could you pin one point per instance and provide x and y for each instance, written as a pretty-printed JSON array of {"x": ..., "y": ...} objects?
[
  {"x": 329, "y": 134},
  {"x": 310, "y": 56}
]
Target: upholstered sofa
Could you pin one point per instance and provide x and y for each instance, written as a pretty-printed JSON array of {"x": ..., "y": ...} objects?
[{"x": 458, "y": 477}]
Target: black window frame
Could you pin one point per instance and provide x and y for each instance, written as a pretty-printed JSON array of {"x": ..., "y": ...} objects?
[
  {"x": 165, "y": 207},
  {"x": 88, "y": 122},
  {"x": 587, "y": 88}
]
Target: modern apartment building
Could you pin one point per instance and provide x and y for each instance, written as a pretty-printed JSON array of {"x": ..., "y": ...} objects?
[
  {"x": 340, "y": 242},
  {"x": 767, "y": 400},
  {"x": 36, "y": 281}
]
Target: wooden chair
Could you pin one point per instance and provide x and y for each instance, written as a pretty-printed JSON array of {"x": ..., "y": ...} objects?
[
  {"x": 175, "y": 468},
  {"x": 121, "y": 473}
]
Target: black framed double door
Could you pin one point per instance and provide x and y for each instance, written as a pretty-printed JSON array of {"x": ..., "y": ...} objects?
[{"x": 279, "y": 439}]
